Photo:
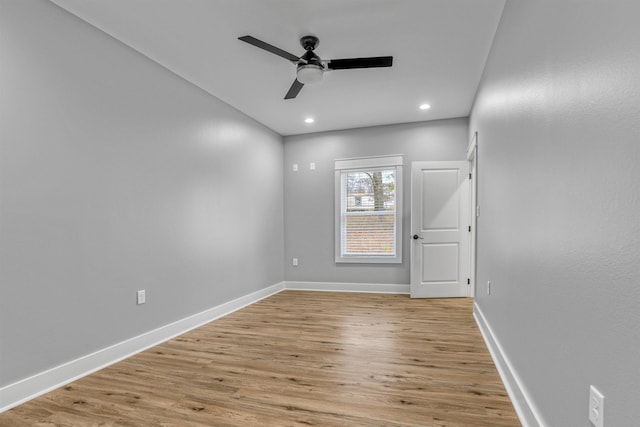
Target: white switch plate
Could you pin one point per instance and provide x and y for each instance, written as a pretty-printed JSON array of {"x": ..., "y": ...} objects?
[
  {"x": 295, "y": 167},
  {"x": 141, "y": 296},
  {"x": 596, "y": 407},
  {"x": 295, "y": 262},
  {"x": 312, "y": 166}
]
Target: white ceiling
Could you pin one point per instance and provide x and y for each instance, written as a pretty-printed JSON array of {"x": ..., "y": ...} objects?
[{"x": 439, "y": 49}]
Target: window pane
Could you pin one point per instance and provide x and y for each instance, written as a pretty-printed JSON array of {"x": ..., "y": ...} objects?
[{"x": 368, "y": 214}]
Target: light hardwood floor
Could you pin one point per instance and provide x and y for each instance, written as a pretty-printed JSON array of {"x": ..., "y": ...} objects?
[{"x": 298, "y": 359}]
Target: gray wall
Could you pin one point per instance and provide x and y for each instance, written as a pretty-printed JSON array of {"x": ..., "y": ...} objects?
[
  {"x": 309, "y": 195},
  {"x": 558, "y": 116},
  {"x": 116, "y": 175}
]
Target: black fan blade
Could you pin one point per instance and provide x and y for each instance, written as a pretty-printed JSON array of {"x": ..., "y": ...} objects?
[
  {"x": 269, "y": 48},
  {"x": 294, "y": 89},
  {"x": 372, "y": 62}
]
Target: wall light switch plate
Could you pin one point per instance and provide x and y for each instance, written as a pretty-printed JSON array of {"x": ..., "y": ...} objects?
[
  {"x": 295, "y": 167},
  {"x": 312, "y": 166},
  {"x": 141, "y": 296}
]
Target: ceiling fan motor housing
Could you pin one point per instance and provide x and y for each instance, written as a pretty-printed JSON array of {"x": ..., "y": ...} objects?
[{"x": 310, "y": 67}]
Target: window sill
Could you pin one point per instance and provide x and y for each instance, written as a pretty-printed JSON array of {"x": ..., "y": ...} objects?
[{"x": 368, "y": 260}]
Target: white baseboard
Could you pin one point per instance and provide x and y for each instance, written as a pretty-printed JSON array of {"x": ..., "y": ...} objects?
[
  {"x": 527, "y": 413},
  {"x": 379, "y": 288},
  {"x": 43, "y": 382}
]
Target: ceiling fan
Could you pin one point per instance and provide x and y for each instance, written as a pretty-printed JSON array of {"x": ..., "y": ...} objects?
[{"x": 310, "y": 67}]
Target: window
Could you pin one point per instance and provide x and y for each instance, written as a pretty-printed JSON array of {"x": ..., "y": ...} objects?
[{"x": 368, "y": 209}]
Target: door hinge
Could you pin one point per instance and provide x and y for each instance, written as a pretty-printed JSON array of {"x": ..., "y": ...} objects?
[
  {"x": 468, "y": 281},
  {"x": 469, "y": 176},
  {"x": 469, "y": 229}
]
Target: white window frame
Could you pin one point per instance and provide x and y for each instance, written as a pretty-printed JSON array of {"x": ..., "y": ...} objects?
[{"x": 368, "y": 163}]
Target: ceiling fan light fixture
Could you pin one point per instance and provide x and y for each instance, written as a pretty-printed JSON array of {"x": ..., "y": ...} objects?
[{"x": 310, "y": 73}]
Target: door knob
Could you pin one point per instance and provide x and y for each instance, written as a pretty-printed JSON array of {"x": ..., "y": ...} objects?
[{"x": 416, "y": 237}]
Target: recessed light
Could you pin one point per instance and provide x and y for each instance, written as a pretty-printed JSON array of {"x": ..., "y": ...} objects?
[
  {"x": 309, "y": 120},
  {"x": 425, "y": 106}
]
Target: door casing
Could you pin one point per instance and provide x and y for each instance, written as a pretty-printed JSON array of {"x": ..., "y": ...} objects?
[{"x": 474, "y": 210}]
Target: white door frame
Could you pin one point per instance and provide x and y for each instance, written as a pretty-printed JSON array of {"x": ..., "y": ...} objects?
[{"x": 474, "y": 212}]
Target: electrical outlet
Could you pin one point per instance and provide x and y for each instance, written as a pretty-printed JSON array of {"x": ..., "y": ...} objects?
[
  {"x": 596, "y": 407},
  {"x": 312, "y": 166},
  {"x": 141, "y": 296},
  {"x": 295, "y": 262},
  {"x": 488, "y": 287}
]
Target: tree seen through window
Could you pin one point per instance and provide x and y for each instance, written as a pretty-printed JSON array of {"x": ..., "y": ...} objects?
[{"x": 370, "y": 190}]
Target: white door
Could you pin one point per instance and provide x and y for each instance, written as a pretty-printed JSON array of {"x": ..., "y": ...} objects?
[{"x": 440, "y": 229}]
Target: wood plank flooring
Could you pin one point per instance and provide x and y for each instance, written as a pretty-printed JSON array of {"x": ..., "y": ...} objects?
[{"x": 298, "y": 359}]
